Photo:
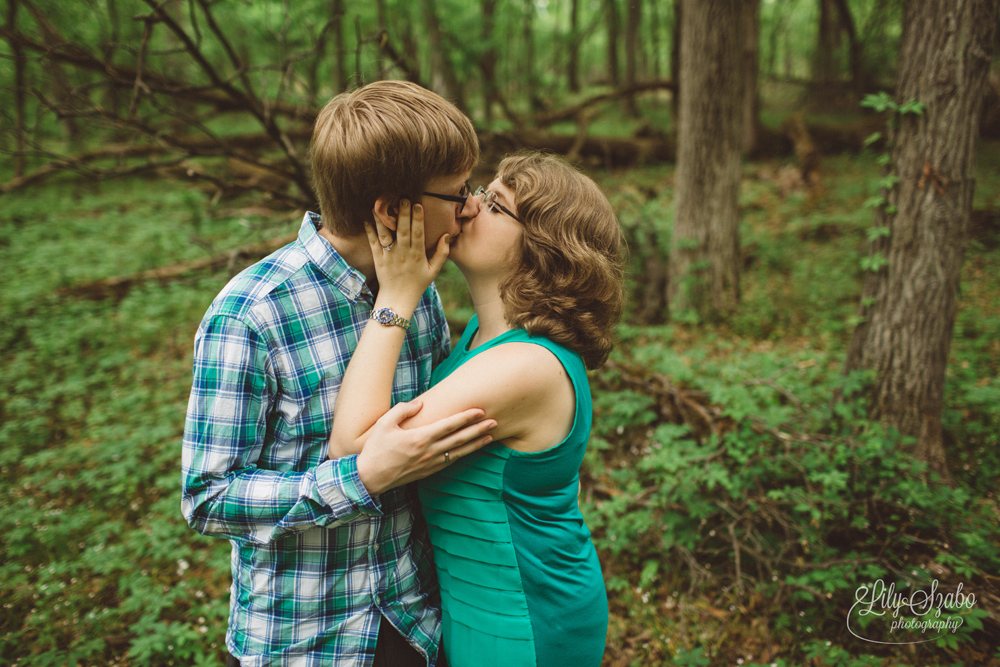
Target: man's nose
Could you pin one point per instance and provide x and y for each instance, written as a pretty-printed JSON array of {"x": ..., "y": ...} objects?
[{"x": 471, "y": 207}]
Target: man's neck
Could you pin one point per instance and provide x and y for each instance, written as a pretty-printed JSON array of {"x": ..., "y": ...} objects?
[{"x": 355, "y": 251}]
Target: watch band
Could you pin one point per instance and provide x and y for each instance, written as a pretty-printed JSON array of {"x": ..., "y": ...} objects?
[{"x": 389, "y": 318}]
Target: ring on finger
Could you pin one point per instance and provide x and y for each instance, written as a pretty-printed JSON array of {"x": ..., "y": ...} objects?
[
  {"x": 447, "y": 457},
  {"x": 389, "y": 247}
]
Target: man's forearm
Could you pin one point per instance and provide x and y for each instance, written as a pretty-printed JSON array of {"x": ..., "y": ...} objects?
[{"x": 260, "y": 506}]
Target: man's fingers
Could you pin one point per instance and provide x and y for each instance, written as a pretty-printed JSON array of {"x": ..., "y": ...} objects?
[
  {"x": 456, "y": 453},
  {"x": 470, "y": 435},
  {"x": 448, "y": 425},
  {"x": 400, "y": 412}
]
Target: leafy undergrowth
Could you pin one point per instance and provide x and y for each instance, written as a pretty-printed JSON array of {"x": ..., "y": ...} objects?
[{"x": 736, "y": 510}]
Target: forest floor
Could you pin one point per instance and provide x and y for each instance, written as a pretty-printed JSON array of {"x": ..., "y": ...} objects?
[{"x": 100, "y": 568}]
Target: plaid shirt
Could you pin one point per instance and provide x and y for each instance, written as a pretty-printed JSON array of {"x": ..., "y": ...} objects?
[{"x": 316, "y": 560}]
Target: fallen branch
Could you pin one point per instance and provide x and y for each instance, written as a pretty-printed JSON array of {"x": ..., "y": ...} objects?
[
  {"x": 117, "y": 287},
  {"x": 547, "y": 118},
  {"x": 239, "y": 147}
]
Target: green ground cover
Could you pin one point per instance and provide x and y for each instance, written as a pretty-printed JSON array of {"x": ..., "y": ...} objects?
[{"x": 100, "y": 569}]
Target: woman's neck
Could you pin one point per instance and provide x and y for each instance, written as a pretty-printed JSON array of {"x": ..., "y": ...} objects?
[{"x": 489, "y": 308}]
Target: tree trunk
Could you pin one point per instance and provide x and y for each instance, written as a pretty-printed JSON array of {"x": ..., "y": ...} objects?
[
  {"x": 529, "y": 80},
  {"x": 704, "y": 253},
  {"x": 633, "y": 43},
  {"x": 488, "y": 61},
  {"x": 655, "y": 24},
  {"x": 20, "y": 131},
  {"x": 858, "y": 77},
  {"x": 675, "y": 62},
  {"x": 443, "y": 70},
  {"x": 573, "y": 63},
  {"x": 751, "y": 67},
  {"x": 340, "y": 49},
  {"x": 611, "y": 8},
  {"x": 827, "y": 41},
  {"x": 909, "y": 303}
]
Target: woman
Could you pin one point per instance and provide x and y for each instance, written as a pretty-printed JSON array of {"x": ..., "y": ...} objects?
[{"x": 520, "y": 580}]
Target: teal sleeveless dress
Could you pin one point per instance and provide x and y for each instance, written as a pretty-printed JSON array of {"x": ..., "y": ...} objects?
[{"x": 520, "y": 581}]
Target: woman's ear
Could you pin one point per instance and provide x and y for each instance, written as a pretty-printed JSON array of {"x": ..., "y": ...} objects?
[{"x": 387, "y": 211}]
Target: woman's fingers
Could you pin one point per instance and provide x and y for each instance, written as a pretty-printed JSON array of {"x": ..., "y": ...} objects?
[
  {"x": 416, "y": 227},
  {"x": 383, "y": 233},
  {"x": 403, "y": 223},
  {"x": 441, "y": 254},
  {"x": 373, "y": 239}
]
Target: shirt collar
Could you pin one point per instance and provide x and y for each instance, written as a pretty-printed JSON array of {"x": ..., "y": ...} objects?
[{"x": 344, "y": 277}]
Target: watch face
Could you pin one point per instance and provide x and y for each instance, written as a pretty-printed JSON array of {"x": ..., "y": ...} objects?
[{"x": 385, "y": 316}]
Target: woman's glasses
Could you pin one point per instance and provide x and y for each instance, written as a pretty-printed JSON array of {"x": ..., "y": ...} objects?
[{"x": 491, "y": 203}]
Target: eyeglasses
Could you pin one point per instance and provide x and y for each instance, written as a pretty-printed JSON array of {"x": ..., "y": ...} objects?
[
  {"x": 490, "y": 201},
  {"x": 461, "y": 198}
]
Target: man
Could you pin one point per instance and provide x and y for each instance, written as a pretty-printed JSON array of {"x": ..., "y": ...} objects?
[{"x": 323, "y": 572}]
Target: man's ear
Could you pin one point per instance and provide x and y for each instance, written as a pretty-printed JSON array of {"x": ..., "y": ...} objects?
[{"x": 387, "y": 211}]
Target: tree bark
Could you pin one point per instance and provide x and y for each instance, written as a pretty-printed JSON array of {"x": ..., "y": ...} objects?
[
  {"x": 909, "y": 303},
  {"x": 704, "y": 254}
]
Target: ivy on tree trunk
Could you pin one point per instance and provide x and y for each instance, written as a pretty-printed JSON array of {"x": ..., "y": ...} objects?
[{"x": 909, "y": 295}]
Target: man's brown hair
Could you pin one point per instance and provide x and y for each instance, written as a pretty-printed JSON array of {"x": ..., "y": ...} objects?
[
  {"x": 566, "y": 282},
  {"x": 385, "y": 139}
]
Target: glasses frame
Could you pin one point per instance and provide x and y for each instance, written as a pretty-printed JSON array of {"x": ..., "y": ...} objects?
[
  {"x": 458, "y": 199},
  {"x": 490, "y": 199}
]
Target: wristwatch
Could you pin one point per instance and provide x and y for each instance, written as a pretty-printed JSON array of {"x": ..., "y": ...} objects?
[{"x": 387, "y": 317}]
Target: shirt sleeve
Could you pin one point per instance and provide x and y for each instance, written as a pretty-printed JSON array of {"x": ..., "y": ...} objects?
[{"x": 225, "y": 492}]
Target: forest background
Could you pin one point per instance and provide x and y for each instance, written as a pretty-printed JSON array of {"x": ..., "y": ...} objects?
[{"x": 805, "y": 399}]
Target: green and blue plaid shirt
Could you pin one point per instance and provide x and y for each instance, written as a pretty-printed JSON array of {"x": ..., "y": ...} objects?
[{"x": 316, "y": 560}]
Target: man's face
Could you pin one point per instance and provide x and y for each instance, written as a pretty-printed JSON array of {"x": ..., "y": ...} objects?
[{"x": 446, "y": 217}]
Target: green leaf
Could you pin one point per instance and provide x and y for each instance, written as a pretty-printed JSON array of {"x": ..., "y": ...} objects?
[
  {"x": 880, "y": 231},
  {"x": 872, "y": 138}
]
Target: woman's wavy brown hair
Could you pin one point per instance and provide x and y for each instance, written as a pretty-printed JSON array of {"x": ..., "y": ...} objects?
[{"x": 566, "y": 283}]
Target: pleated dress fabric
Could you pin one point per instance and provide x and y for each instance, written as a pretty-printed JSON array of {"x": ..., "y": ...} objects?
[{"x": 520, "y": 581}]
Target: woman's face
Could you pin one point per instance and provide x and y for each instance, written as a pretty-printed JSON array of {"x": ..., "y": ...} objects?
[{"x": 487, "y": 240}]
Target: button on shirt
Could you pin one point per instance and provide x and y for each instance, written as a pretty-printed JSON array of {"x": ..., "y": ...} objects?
[{"x": 315, "y": 560}]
